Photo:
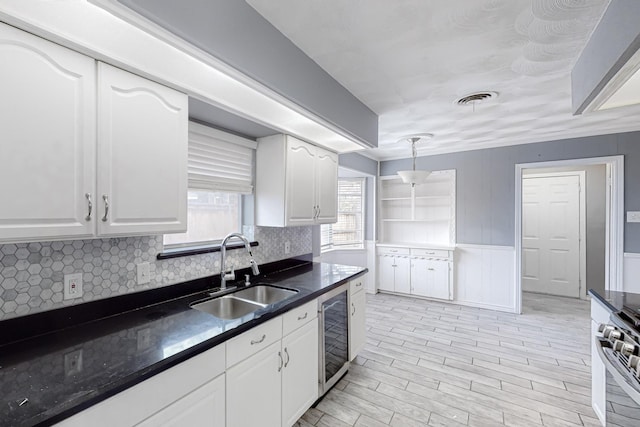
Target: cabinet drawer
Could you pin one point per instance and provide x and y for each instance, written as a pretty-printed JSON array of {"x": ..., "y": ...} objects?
[
  {"x": 394, "y": 251},
  {"x": 357, "y": 285},
  {"x": 254, "y": 340},
  {"x": 430, "y": 253},
  {"x": 299, "y": 316}
]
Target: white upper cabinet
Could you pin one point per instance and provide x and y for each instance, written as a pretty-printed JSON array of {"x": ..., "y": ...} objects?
[
  {"x": 301, "y": 182},
  {"x": 47, "y": 139},
  {"x": 326, "y": 173},
  {"x": 65, "y": 177},
  {"x": 296, "y": 183},
  {"x": 142, "y": 155}
]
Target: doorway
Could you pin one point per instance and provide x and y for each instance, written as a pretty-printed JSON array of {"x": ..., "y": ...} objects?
[
  {"x": 553, "y": 232},
  {"x": 612, "y": 242}
]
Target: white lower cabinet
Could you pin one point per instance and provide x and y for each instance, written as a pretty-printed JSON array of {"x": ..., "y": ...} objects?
[
  {"x": 430, "y": 278},
  {"x": 357, "y": 318},
  {"x": 253, "y": 390},
  {"x": 271, "y": 379},
  {"x": 191, "y": 393},
  {"x": 599, "y": 315},
  {"x": 281, "y": 380},
  {"x": 204, "y": 407},
  {"x": 416, "y": 271},
  {"x": 394, "y": 274},
  {"x": 300, "y": 372}
]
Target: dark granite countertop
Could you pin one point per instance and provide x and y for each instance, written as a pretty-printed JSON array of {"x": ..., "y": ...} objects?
[
  {"x": 615, "y": 300},
  {"x": 63, "y": 372}
]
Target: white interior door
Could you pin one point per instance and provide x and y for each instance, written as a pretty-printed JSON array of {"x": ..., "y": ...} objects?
[{"x": 551, "y": 235}]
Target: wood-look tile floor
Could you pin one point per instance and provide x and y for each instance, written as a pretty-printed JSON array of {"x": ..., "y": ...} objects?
[{"x": 434, "y": 364}]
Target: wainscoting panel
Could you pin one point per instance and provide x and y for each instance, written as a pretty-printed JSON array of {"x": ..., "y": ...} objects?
[
  {"x": 631, "y": 278},
  {"x": 484, "y": 276}
]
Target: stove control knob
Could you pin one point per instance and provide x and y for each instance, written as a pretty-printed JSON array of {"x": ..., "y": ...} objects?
[
  {"x": 602, "y": 327},
  {"x": 624, "y": 348},
  {"x": 634, "y": 362},
  {"x": 613, "y": 335}
]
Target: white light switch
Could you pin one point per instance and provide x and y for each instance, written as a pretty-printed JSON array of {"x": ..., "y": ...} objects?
[
  {"x": 633, "y": 216},
  {"x": 143, "y": 273}
]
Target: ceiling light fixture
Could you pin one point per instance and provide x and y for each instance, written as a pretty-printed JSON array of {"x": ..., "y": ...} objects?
[{"x": 414, "y": 176}]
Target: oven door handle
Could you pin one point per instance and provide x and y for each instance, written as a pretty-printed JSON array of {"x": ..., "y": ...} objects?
[{"x": 618, "y": 374}]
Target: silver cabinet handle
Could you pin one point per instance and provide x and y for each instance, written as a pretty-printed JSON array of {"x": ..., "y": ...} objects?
[
  {"x": 303, "y": 317},
  {"x": 287, "y": 353},
  {"x": 280, "y": 356},
  {"x": 318, "y": 215},
  {"x": 358, "y": 284},
  {"x": 354, "y": 309},
  {"x": 106, "y": 207},
  {"x": 259, "y": 341},
  {"x": 430, "y": 269},
  {"x": 89, "y": 207}
]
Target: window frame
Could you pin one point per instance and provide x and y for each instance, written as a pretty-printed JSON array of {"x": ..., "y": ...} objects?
[{"x": 351, "y": 246}]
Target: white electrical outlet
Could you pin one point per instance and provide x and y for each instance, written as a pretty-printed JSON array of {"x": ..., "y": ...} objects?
[
  {"x": 287, "y": 247},
  {"x": 73, "y": 286},
  {"x": 73, "y": 363},
  {"x": 143, "y": 271},
  {"x": 144, "y": 339},
  {"x": 633, "y": 216}
]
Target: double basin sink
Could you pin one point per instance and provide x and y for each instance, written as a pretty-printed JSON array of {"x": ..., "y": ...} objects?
[{"x": 244, "y": 301}]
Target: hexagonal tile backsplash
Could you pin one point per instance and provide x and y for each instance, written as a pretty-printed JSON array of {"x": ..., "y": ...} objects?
[{"x": 32, "y": 274}]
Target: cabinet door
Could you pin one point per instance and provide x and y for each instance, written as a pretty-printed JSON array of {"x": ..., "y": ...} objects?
[
  {"x": 419, "y": 280},
  {"x": 204, "y": 407},
  {"x": 387, "y": 267},
  {"x": 256, "y": 382},
  {"x": 142, "y": 155},
  {"x": 357, "y": 324},
  {"x": 438, "y": 279},
  {"x": 300, "y": 372},
  {"x": 47, "y": 139},
  {"x": 327, "y": 186},
  {"x": 300, "y": 188},
  {"x": 402, "y": 275}
]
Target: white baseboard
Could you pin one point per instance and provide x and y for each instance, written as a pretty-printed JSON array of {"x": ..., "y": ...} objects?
[
  {"x": 484, "y": 277},
  {"x": 631, "y": 268}
]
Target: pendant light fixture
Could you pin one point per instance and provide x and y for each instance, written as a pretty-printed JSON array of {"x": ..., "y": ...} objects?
[{"x": 415, "y": 177}]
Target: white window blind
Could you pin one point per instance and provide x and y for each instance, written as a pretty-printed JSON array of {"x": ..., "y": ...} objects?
[
  {"x": 219, "y": 161},
  {"x": 348, "y": 232}
]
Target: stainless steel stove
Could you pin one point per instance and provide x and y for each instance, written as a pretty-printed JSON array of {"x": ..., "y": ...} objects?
[{"x": 618, "y": 345}]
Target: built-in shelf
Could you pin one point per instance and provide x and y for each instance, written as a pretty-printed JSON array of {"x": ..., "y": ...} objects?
[
  {"x": 420, "y": 214},
  {"x": 414, "y": 220},
  {"x": 447, "y": 196}
]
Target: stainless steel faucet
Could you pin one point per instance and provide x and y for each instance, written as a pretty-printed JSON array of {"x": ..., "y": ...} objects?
[{"x": 224, "y": 276}]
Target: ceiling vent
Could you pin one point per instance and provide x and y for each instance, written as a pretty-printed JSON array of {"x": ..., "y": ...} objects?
[{"x": 476, "y": 98}]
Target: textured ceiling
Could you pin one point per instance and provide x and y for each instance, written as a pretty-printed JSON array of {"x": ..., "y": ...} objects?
[{"x": 410, "y": 60}]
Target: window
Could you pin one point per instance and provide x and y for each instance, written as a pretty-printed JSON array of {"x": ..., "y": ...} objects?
[
  {"x": 348, "y": 232},
  {"x": 210, "y": 217},
  {"x": 220, "y": 169}
]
